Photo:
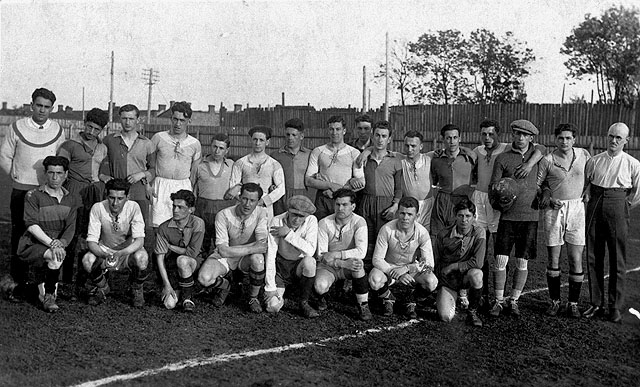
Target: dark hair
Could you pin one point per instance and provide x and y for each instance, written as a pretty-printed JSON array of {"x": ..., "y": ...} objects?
[
  {"x": 363, "y": 118},
  {"x": 44, "y": 93},
  {"x": 182, "y": 107},
  {"x": 414, "y": 134},
  {"x": 566, "y": 128},
  {"x": 117, "y": 185},
  {"x": 448, "y": 127},
  {"x": 56, "y": 161},
  {"x": 185, "y": 195},
  {"x": 465, "y": 204},
  {"x": 221, "y": 137},
  {"x": 333, "y": 119},
  {"x": 260, "y": 129},
  {"x": 491, "y": 123},
  {"x": 98, "y": 117},
  {"x": 294, "y": 123},
  {"x": 129, "y": 108},
  {"x": 252, "y": 187},
  {"x": 345, "y": 193},
  {"x": 383, "y": 125},
  {"x": 409, "y": 202}
]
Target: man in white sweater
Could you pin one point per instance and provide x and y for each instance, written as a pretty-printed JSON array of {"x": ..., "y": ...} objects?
[{"x": 25, "y": 146}]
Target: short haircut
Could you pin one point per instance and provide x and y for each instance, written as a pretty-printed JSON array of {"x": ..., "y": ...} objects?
[
  {"x": 182, "y": 107},
  {"x": 185, "y": 195},
  {"x": 260, "y": 129},
  {"x": 252, "y": 187},
  {"x": 56, "y": 161},
  {"x": 294, "y": 123},
  {"x": 383, "y": 125},
  {"x": 414, "y": 134},
  {"x": 363, "y": 118},
  {"x": 98, "y": 117},
  {"x": 117, "y": 185},
  {"x": 448, "y": 127},
  {"x": 221, "y": 137},
  {"x": 491, "y": 123},
  {"x": 566, "y": 128},
  {"x": 345, "y": 193},
  {"x": 129, "y": 108},
  {"x": 465, "y": 204},
  {"x": 44, "y": 93},
  {"x": 333, "y": 119},
  {"x": 409, "y": 202}
]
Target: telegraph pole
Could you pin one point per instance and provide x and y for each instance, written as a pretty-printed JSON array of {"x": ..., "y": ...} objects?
[
  {"x": 151, "y": 77},
  {"x": 111, "y": 97},
  {"x": 386, "y": 79},
  {"x": 364, "y": 89}
]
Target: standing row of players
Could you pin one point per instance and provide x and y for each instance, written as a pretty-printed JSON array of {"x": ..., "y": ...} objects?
[{"x": 390, "y": 185}]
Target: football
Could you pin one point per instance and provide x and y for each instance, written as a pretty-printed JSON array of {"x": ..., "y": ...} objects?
[
  {"x": 170, "y": 301},
  {"x": 274, "y": 304}
]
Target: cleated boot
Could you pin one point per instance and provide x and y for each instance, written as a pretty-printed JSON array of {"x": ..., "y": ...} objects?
[
  {"x": 322, "y": 303},
  {"x": 363, "y": 311},
  {"x": 572, "y": 310},
  {"x": 49, "y": 303},
  {"x": 188, "y": 305},
  {"x": 473, "y": 318},
  {"x": 553, "y": 308},
  {"x": 513, "y": 308},
  {"x": 496, "y": 309},
  {"x": 221, "y": 293},
  {"x": 138, "y": 297},
  {"x": 254, "y": 305},
  {"x": 98, "y": 295},
  {"x": 308, "y": 311},
  {"x": 410, "y": 310}
]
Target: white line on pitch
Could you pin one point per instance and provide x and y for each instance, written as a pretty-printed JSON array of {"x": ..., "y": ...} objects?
[{"x": 226, "y": 357}]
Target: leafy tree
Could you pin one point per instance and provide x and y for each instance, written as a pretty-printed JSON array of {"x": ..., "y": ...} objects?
[
  {"x": 609, "y": 49},
  {"x": 497, "y": 67},
  {"x": 401, "y": 75},
  {"x": 440, "y": 67}
]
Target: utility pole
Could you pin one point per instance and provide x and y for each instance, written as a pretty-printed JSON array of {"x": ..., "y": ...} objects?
[
  {"x": 111, "y": 97},
  {"x": 364, "y": 89},
  {"x": 386, "y": 80},
  {"x": 151, "y": 77},
  {"x": 83, "y": 116}
]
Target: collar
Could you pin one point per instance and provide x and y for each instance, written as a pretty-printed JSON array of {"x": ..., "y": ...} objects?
[
  {"x": 464, "y": 152},
  {"x": 119, "y": 134},
  {"x": 42, "y": 189},
  {"x": 354, "y": 144},
  {"x": 189, "y": 224},
  {"x": 456, "y": 234},
  {"x": 531, "y": 146},
  {"x": 389, "y": 154},
  {"x": 302, "y": 149},
  {"x": 37, "y": 125}
]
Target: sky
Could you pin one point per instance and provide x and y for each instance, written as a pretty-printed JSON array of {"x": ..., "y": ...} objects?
[{"x": 250, "y": 52}]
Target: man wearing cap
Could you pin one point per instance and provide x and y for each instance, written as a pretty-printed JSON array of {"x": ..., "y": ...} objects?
[
  {"x": 293, "y": 236},
  {"x": 613, "y": 179},
  {"x": 25, "y": 146},
  {"x": 519, "y": 224},
  {"x": 85, "y": 154},
  {"x": 294, "y": 159}
]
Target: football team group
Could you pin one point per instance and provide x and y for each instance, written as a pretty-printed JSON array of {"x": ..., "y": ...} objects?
[{"x": 359, "y": 212}]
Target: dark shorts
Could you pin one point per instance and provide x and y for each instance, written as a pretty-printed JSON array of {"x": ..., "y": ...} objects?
[
  {"x": 524, "y": 235},
  {"x": 171, "y": 265},
  {"x": 324, "y": 205},
  {"x": 31, "y": 253},
  {"x": 207, "y": 209},
  {"x": 286, "y": 271}
]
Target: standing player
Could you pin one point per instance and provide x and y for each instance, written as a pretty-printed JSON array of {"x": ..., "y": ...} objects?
[
  {"x": 519, "y": 224},
  {"x": 563, "y": 172},
  {"x": 383, "y": 183},
  {"x": 342, "y": 247},
  {"x": 294, "y": 159},
  {"x": 452, "y": 173},
  {"x": 85, "y": 154},
  {"x": 260, "y": 168},
  {"x": 241, "y": 242},
  {"x": 403, "y": 254},
  {"x": 177, "y": 156},
  {"x": 25, "y": 146},
  {"x": 211, "y": 183},
  {"x": 116, "y": 241},
  {"x": 50, "y": 216},
  {"x": 459, "y": 252},
  {"x": 362, "y": 133},
  {"x": 179, "y": 241},
  {"x": 614, "y": 189},
  {"x": 332, "y": 166},
  {"x": 292, "y": 244}
]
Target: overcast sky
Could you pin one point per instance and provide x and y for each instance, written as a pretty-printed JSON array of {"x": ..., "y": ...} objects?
[{"x": 252, "y": 51}]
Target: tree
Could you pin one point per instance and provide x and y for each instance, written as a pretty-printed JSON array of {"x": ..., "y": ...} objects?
[
  {"x": 440, "y": 66},
  {"x": 609, "y": 49},
  {"x": 497, "y": 67},
  {"x": 401, "y": 75}
]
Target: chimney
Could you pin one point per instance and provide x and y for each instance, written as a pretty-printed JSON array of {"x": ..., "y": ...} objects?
[
  {"x": 4, "y": 106},
  {"x": 162, "y": 108},
  {"x": 212, "y": 109},
  {"x": 60, "y": 108},
  {"x": 68, "y": 110},
  {"x": 171, "y": 103},
  {"x": 237, "y": 108}
]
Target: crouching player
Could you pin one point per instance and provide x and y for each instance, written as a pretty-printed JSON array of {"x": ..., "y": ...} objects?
[
  {"x": 50, "y": 217},
  {"x": 116, "y": 241},
  {"x": 180, "y": 240},
  {"x": 290, "y": 255},
  {"x": 241, "y": 242},
  {"x": 342, "y": 245},
  {"x": 403, "y": 254},
  {"x": 459, "y": 252}
]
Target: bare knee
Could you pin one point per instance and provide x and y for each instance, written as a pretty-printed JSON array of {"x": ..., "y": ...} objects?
[
  {"x": 377, "y": 279},
  {"x": 256, "y": 261},
  {"x": 141, "y": 259},
  {"x": 322, "y": 284},
  {"x": 308, "y": 266},
  {"x": 87, "y": 261}
]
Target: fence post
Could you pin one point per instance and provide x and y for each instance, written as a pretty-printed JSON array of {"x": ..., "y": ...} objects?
[{"x": 591, "y": 147}]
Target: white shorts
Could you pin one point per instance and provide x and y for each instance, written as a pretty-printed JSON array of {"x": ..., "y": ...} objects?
[
  {"x": 162, "y": 206},
  {"x": 566, "y": 224},
  {"x": 424, "y": 213},
  {"x": 229, "y": 263},
  {"x": 486, "y": 216}
]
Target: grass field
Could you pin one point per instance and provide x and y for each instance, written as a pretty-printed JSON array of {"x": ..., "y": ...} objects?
[{"x": 118, "y": 345}]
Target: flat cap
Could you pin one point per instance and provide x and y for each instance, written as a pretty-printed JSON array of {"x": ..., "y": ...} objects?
[
  {"x": 300, "y": 204},
  {"x": 525, "y": 127}
]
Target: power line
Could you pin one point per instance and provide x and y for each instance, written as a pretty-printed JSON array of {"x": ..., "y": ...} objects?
[{"x": 151, "y": 78}]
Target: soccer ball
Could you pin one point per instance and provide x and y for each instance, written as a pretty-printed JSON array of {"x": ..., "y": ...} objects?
[
  {"x": 274, "y": 304},
  {"x": 503, "y": 194},
  {"x": 170, "y": 301}
]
